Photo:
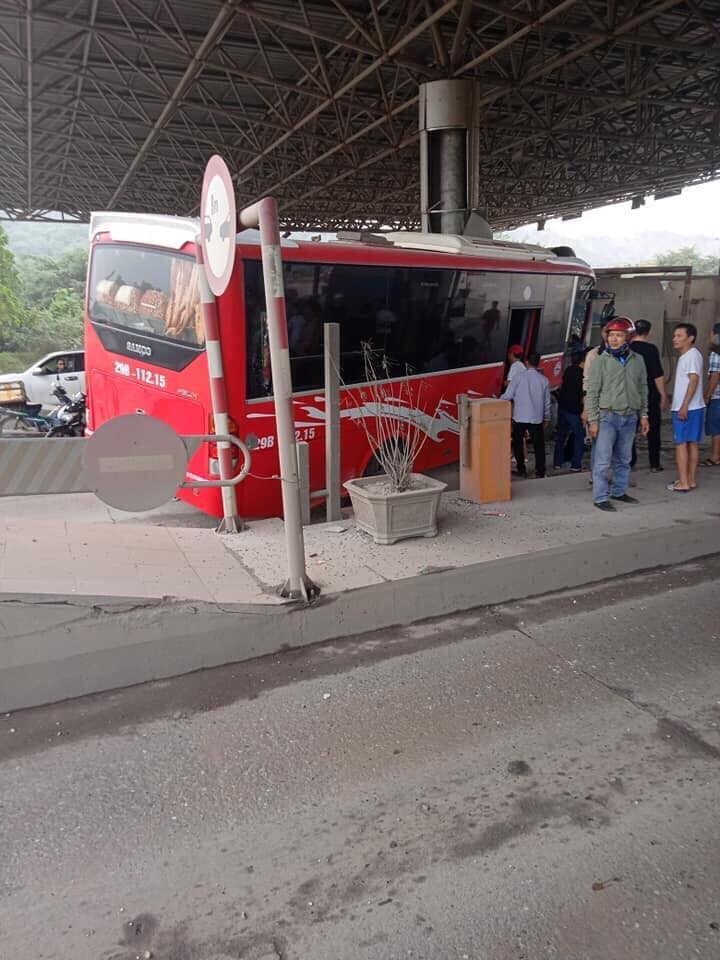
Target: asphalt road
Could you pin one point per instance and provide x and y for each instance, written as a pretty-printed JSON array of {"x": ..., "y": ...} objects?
[{"x": 534, "y": 781}]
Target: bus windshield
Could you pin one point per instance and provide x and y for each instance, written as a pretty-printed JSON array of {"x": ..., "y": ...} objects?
[{"x": 147, "y": 292}]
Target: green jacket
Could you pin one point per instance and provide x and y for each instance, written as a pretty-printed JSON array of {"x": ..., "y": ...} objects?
[{"x": 616, "y": 386}]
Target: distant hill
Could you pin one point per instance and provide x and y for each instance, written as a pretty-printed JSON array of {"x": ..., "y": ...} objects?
[
  {"x": 620, "y": 250},
  {"x": 44, "y": 239},
  {"x": 623, "y": 248}
]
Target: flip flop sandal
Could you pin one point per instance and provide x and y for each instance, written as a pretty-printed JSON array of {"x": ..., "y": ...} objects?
[
  {"x": 674, "y": 488},
  {"x": 709, "y": 462}
]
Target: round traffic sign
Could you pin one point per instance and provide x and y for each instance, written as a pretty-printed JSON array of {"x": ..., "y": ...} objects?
[
  {"x": 218, "y": 222},
  {"x": 135, "y": 463}
]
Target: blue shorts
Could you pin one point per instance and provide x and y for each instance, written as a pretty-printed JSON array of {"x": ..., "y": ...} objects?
[
  {"x": 690, "y": 430},
  {"x": 712, "y": 419}
]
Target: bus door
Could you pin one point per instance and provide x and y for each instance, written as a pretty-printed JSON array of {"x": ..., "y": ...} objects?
[
  {"x": 527, "y": 296},
  {"x": 523, "y": 329}
]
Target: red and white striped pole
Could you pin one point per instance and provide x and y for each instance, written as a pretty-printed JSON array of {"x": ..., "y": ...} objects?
[
  {"x": 263, "y": 214},
  {"x": 231, "y": 522}
]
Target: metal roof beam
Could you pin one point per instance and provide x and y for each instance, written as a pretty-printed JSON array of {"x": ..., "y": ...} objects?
[
  {"x": 354, "y": 81},
  {"x": 214, "y": 35},
  {"x": 78, "y": 95}
]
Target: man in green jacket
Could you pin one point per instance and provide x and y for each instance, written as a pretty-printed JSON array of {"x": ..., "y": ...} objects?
[{"x": 616, "y": 399}]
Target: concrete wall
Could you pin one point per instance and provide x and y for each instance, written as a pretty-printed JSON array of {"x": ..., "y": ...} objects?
[
  {"x": 660, "y": 302},
  {"x": 704, "y": 305},
  {"x": 637, "y": 298},
  {"x": 640, "y": 298}
]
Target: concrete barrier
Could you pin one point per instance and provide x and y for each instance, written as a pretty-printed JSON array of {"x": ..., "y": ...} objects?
[
  {"x": 54, "y": 648},
  {"x": 40, "y": 465}
]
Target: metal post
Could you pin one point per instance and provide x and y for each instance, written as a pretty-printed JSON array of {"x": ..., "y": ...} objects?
[
  {"x": 686, "y": 294},
  {"x": 453, "y": 211},
  {"x": 463, "y": 403},
  {"x": 263, "y": 214},
  {"x": 332, "y": 422},
  {"x": 302, "y": 450},
  {"x": 449, "y": 155},
  {"x": 231, "y": 522}
]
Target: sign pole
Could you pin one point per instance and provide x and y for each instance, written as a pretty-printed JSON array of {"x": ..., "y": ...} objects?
[
  {"x": 215, "y": 254},
  {"x": 263, "y": 214},
  {"x": 231, "y": 522}
]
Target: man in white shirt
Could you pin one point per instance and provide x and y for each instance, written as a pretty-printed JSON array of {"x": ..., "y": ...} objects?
[
  {"x": 688, "y": 407},
  {"x": 530, "y": 394}
]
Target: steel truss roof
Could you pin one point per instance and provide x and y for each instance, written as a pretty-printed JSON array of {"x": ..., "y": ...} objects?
[{"x": 119, "y": 103}]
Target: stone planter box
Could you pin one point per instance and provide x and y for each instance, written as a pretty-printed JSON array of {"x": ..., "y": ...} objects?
[{"x": 389, "y": 517}]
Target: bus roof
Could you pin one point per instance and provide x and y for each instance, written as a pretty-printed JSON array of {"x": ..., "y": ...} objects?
[{"x": 175, "y": 232}]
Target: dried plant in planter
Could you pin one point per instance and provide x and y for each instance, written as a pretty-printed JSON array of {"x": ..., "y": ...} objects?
[
  {"x": 399, "y": 504},
  {"x": 395, "y": 426}
]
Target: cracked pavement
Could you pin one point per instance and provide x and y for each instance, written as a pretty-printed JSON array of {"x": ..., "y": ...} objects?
[{"x": 536, "y": 780}]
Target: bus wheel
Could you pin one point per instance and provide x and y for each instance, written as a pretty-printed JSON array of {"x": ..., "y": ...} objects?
[{"x": 374, "y": 467}]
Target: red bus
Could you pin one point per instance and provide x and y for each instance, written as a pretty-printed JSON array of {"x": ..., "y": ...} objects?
[{"x": 444, "y": 308}]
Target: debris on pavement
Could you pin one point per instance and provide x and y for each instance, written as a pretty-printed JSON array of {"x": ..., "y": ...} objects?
[{"x": 602, "y": 884}]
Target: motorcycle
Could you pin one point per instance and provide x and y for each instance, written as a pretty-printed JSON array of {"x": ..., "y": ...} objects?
[{"x": 67, "y": 419}]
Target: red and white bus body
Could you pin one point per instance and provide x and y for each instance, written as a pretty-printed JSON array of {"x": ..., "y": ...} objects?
[{"x": 443, "y": 309}]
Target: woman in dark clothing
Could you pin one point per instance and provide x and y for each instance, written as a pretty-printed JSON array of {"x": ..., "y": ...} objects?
[
  {"x": 570, "y": 407},
  {"x": 657, "y": 397}
]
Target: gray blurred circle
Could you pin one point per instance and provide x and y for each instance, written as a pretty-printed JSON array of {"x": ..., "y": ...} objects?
[{"x": 135, "y": 463}]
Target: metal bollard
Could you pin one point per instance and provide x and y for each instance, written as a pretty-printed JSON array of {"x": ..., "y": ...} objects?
[{"x": 303, "y": 462}]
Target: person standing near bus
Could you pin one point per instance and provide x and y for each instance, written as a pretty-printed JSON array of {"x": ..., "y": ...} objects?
[
  {"x": 592, "y": 355},
  {"x": 616, "y": 400},
  {"x": 688, "y": 407},
  {"x": 515, "y": 361},
  {"x": 712, "y": 399},
  {"x": 657, "y": 397},
  {"x": 530, "y": 394},
  {"x": 570, "y": 407},
  {"x": 590, "y": 358}
]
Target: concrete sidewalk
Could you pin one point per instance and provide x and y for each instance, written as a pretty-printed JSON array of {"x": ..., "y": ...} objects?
[
  {"x": 75, "y": 546},
  {"x": 93, "y": 599}
]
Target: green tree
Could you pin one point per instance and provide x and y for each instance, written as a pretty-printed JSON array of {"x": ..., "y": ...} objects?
[
  {"x": 52, "y": 297},
  {"x": 11, "y": 311},
  {"x": 42, "y": 277},
  {"x": 689, "y": 257},
  {"x": 60, "y": 324}
]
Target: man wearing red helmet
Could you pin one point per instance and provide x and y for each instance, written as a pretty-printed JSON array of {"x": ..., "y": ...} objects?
[{"x": 616, "y": 398}]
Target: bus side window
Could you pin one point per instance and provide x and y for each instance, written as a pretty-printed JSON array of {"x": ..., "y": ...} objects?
[
  {"x": 257, "y": 376},
  {"x": 486, "y": 318},
  {"x": 579, "y": 321},
  {"x": 368, "y": 303},
  {"x": 464, "y": 322},
  {"x": 556, "y": 315}
]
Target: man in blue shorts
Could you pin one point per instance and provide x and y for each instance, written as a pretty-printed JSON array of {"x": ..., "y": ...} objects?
[{"x": 688, "y": 407}]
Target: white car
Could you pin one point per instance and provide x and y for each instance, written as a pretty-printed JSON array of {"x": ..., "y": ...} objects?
[{"x": 36, "y": 384}]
